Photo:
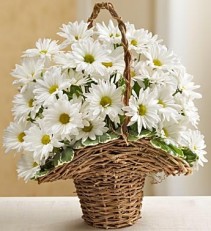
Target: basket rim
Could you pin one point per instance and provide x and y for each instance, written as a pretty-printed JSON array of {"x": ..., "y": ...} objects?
[{"x": 83, "y": 155}]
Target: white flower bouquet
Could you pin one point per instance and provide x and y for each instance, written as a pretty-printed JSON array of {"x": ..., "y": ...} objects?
[
  {"x": 71, "y": 95},
  {"x": 96, "y": 86}
]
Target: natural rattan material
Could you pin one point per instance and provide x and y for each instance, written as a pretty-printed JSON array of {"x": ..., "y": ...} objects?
[
  {"x": 112, "y": 200},
  {"x": 109, "y": 178}
]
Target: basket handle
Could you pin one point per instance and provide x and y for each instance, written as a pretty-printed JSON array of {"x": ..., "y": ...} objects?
[{"x": 127, "y": 55}]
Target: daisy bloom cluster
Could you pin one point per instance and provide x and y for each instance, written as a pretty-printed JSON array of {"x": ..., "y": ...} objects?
[{"x": 70, "y": 95}]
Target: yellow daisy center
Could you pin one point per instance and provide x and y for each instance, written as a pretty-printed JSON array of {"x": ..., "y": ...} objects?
[
  {"x": 157, "y": 62},
  {"x": 105, "y": 101},
  {"x": 34, "y": 164},
  {"x": 76, "y": 37},
  {"x": 134, "y": 42},
  {"x": 21, "y": 137},
  {"x": 88, "y": 58},
  {"x": 142, "y": 110},
  {"x": 160, "y": 101},
  {"x": 88, "y": 128},
  {"x": 53, "y": 88},
  {"x": 64, "y": 118},
  {"x": 114, "y": 35},
  {"x": 45, "y": 139},
  {"x": 30, "y": 103},
  {"x": 132, "y": 73},
  {"x": 107, "y": 64},
  {"x": 43, "y": 52},
  {"x": 165, "y": 132}
]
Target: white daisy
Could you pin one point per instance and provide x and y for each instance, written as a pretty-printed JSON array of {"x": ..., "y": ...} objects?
[
  {"x": 24, "y": 104},
  {"x": 65, "y": 60},
  {"x": 105, "y": 99},
  {"x": 74, "y": 32},
  {"x": 92, "y": 128},
  {"x": 110, "y": 33},
  {"x": 28, "y": 71},
  {"x": 27, "y": 167},
  {"x": 63, "y": 118},
  {"x": 143, "y": 109},
  {"x": 75, "y": 100},
  {"x": 194, "y": 140},
  {"x": 114, "y": 67},
  {"x": 115, "y": 61},
  {"x": 135, "y": 73},
  {"x": 159, "y": 78},
  {"x": 139, "y": 40},
  {"x": 52, "y": 83},
  {"x": 160, "y": 57},
  {"x": 185, "y": 85},
  {"x": 96, "y": 77},
  {"x": 189, "y": 111},
  {"x": 143, "y": 72},
  {"x": 39, "y": 141},
  {"x": 44, "y": 48},
  {"x": 168, "y": 108},
  {"x": 170, "y": 131},
  {"x": 89, "y": 56},
  {"x": 75, "y": 78},
  {"x": 14, "y": 136}
]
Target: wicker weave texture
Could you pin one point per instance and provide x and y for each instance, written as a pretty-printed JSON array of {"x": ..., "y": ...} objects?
[
  {"x": 139, "y": 155},
  {"x": 111, "y": 199},
  {"x": 109, "y": 179}
]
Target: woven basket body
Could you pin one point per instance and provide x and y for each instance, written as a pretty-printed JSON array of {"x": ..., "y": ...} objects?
[
  {"x": 109, "y": 179},
  {"x": 111, "y": 198}
]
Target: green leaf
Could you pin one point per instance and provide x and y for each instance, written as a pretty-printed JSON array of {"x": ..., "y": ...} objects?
[
  {"x": 121, "y": 82},
  {"x": 190, "y": 157},
  {"x": 169, "y": 148},
  {"x": 76, "y": 90},
  {"x": 176, "y": 151},
  {"x": 157, "y": 143},
  {"x": 133, "y": 133},
  {"x": 133, "y": 128},
  {"x": 64, "y": 157},
  {"x": 136, "y": 88},
  {"x": 122, "y": 118},
  {"x": 41, "y": 173},
  {"x": 146, "y": 83},
  {"x": 90, "y": 142},
  {"x": 113, "y": 136},
  {"x": 104, "y": 138},
  {"x": 146, "y": 133},
  {"x": 78, "y": 145},
  {"x": 134, "y": 136},
  {"x": 73, "y": 90}
]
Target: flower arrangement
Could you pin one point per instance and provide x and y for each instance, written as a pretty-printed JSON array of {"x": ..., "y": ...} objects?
[{"x": 71, "y": 95}]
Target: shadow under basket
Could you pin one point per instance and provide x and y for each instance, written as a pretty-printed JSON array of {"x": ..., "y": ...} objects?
[{"x": 109, "y": 179}]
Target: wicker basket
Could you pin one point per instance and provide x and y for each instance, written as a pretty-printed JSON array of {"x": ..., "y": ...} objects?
[{"x": 109, "y": 178}]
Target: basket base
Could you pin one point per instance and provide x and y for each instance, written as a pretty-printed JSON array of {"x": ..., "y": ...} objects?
[{"x": 113, "y": 202}]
